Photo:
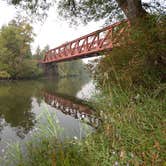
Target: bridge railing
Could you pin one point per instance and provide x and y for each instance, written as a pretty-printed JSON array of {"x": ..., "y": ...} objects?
[{"x": 88, "y": 45}]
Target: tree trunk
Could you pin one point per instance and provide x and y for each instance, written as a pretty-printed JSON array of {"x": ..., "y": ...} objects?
[{"x": 132, "y": 8}]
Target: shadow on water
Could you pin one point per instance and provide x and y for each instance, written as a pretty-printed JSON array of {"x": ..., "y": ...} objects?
[{"x": 21, "y": 102}]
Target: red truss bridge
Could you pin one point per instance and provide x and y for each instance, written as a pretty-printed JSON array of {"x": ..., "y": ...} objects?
[{"x": 89, "y": 45}]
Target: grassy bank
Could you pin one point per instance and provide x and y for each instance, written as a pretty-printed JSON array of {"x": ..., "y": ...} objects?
[
  {"x": 134, "y": 126},
  {"x": 132, "y": 133}
]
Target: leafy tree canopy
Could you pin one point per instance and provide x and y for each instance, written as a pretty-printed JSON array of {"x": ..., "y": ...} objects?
[
  {"x": 15, "y": 51},
  {"x": 87, "y": 10}
]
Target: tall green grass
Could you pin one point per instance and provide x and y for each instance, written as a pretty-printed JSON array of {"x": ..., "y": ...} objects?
[{"x": 135, "y": 124}]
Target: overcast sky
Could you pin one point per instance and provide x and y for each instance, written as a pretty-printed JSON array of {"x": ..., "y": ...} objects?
[{"x": 53, "y": 31}]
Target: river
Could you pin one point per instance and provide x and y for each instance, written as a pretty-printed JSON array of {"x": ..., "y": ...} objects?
[{"x": 22, "y": 102}]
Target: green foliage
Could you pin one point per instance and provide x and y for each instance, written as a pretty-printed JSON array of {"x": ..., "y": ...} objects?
[
  {"x": 40, "y": 53},
  {"x": 133, "y": 126},
  {"x": 15, "y": 52},
  {"x": 139, "y": 60},
  {"x": 88, "y": 10},
  {"x": 4, "y": 74},
  {"x": 28, "y": 68},
  {"x": 72, "y": 68},
  {"x": 111, "y": 10}
]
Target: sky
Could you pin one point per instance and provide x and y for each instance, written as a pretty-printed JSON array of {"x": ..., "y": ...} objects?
[{"x": 53, "y": 32}]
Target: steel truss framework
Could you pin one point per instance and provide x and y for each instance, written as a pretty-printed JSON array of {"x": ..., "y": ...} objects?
[{"x": 89, "y": 45}]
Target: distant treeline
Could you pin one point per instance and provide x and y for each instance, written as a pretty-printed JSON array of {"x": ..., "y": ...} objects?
[{"x": 72, "y": 68}]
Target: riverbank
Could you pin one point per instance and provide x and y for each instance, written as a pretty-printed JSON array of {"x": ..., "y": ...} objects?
[
  {"x": 41, "y": 77},
  {"x": 134, "y": 126},
  {"x": 132, "y": 133}
]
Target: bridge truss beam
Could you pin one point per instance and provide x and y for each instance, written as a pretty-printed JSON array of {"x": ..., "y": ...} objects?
[{"x": 89, "y": 45}]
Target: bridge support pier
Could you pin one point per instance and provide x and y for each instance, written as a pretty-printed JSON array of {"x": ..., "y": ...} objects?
[{"x": 50, "y": 70}]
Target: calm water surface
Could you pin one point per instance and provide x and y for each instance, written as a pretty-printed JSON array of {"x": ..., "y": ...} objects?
[{"x": 21, "y": 103}]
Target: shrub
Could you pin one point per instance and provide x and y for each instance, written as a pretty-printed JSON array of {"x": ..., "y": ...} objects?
[
  {"x": 140, "y": 59},
  {"x": 4, "y": 75}
]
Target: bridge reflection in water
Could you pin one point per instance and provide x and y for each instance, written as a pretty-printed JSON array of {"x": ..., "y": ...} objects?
[{"x": 74, "y": 109}]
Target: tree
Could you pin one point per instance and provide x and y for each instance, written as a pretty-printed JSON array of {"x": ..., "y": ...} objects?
[
  {"x": 101, "y": 9},
  {"x": 88, "y": 10},
  {"x": 40, "y": 53},
  {"x": 15, "y": 51},
  {"x": 72, "y": 68},
  {"x": 108, "y": 9}
]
